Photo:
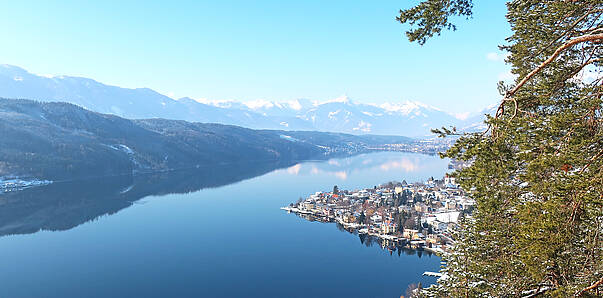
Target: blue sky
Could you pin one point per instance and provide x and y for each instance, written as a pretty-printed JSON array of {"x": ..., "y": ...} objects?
[{"x": 248, "y": 50}]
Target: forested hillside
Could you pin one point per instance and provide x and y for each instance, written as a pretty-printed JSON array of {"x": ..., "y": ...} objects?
[{"x": 59, "y": 141}]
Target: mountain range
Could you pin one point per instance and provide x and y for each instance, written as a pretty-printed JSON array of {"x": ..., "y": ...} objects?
[{"x": 412, "y": 119}]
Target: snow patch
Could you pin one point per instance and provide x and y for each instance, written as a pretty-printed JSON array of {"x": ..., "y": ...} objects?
[
  {"x": 260, "y": 104},
  {"x": 295, "y": 105},
  {"x": 341, "y": 99},
  {"x": 219, "y": 103},
  {"x": 289, "y": 138},
  {"x": 122, "y": 148},
  {"x": 127, "y": 189},
  {"x": 332, "y": 114},
  {"x": 363, "y": 126}
]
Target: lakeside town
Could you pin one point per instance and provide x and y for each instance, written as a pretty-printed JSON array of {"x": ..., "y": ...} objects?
[{"x": 420, "y": 215}]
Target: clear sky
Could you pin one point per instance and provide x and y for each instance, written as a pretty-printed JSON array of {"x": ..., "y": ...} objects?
[{"x": 247, "y": 50}]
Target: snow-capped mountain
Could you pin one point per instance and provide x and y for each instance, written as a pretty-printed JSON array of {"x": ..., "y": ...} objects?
[
  {"x": 408, "y": 118},
  {"x": 475, "y": 121},
  {"x": 343, "y": 115},
  {"x": 414, "y": 119}
]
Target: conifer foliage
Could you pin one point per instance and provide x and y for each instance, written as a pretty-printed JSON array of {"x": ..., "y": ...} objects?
[{"x": 537, "y": 171}]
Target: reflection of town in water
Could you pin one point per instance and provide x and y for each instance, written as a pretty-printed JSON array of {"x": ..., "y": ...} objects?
[{"x": 392, "y": 246}]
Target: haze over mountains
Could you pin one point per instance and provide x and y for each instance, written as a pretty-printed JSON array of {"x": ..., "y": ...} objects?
[{"x": 411, "y": 119}]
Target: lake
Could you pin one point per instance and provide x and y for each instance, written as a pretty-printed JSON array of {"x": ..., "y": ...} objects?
[{"x": 211, "y": 232}]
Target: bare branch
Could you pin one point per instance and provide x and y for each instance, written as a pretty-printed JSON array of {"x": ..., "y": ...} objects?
[{"x": 593, "y": 286}]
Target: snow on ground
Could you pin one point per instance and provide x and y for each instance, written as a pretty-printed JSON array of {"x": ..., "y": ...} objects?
[
  {"x": 121, "y": 147},
  {"x": 289, "y": 138},
  {"x": 14, "y": 184}
]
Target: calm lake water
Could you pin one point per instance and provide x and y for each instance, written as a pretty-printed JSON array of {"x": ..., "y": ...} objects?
[{"x": 213, "y": 232}]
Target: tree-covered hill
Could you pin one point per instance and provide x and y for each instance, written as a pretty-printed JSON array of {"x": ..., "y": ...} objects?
[{"x": 61, "y": 141}]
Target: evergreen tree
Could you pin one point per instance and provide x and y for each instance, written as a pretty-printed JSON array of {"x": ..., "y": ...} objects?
[{"x": 537, "y": 171}]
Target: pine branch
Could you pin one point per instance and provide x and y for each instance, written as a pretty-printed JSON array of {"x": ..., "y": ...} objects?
[
  {"x": 571, "y": 27},
  {"x": 509, "y": 95},
  {"x": 552, "y": 58}
]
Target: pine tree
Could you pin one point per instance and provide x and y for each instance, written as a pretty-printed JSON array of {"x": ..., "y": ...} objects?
[{"x": 537, "y": 171}]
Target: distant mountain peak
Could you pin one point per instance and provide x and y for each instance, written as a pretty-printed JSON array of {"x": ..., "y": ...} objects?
[
  {"x": 262, "y": 104},
  {"x": 295, "y": 104},
  {"x": 11, "y": 70},
  {"x": 407, "y": 108},
  {"x": 341, "y": 99}
]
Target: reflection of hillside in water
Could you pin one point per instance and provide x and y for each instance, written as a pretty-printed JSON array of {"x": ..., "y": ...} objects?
[
  {"x": 62, "y": 206},
  {"x": 342, "y": 168}
]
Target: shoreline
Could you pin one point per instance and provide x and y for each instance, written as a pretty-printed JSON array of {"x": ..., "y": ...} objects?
[
  {"x": 361, "y": 229},
  {"x": 17, "y": 184}
]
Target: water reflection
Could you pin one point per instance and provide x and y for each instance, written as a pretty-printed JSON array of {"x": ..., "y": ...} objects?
[
  {"x": 406, "y": 165},
  {"x": 393, "y": 247},
  {"x": 62, "y": 206},
  {"x": 191, "y": 243}
]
